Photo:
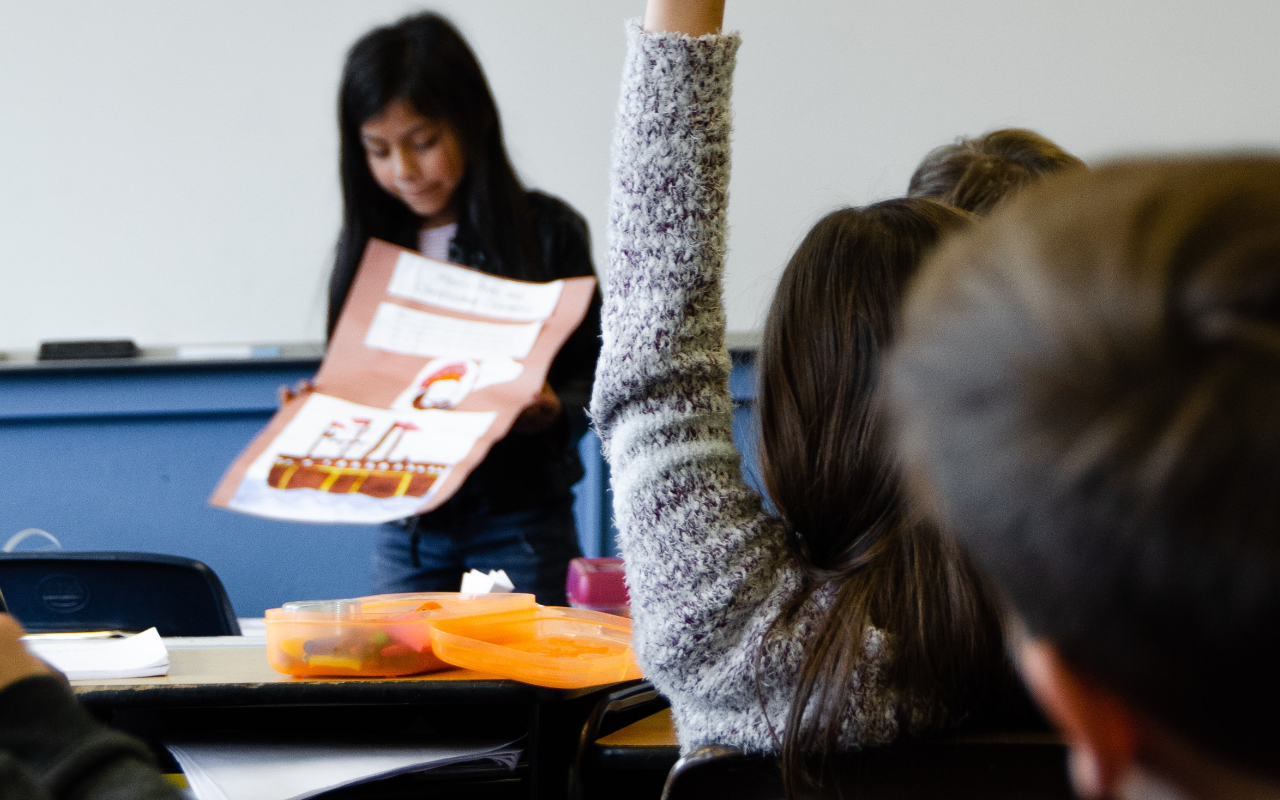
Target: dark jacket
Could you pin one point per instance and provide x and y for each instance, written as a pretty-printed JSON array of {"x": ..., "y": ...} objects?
[
  {"x": 51, "y": 748},
  {"x": 522, "y": 471}
]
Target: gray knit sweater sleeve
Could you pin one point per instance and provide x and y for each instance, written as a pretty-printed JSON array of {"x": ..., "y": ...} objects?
[{"x": 707, "y": 566}]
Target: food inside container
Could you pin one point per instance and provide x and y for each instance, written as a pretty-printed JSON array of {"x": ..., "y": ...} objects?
[
  {"x": 565, "y": 648},
  {"x": 378, "y": 636}
]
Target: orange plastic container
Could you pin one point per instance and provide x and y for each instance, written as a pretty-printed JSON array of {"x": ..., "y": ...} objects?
[
  {"x": 565, "y": 648},
  {"x": 377, "y": 636}
]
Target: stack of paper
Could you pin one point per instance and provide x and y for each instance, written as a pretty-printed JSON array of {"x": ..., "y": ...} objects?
[
  {"x": 140, "y": 656},
  {"x": 273, "y": 771}
]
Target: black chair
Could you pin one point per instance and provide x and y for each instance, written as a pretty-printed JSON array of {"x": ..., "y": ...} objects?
[
  {"x": 51, "y": 592},
  {"x": 974, "y": 767},
  {"x": 610, "y": 772}
]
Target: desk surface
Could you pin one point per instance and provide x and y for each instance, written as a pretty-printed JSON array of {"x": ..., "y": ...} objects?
[
  {"x": 658, "y": 730},
  {"x": 649, "y": 745},
  {"x": 205, "y": 675}
]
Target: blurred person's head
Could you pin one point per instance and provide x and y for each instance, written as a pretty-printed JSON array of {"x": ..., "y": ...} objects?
[
  {"x": 1088, "y": 392},
  {"x": 827, "y": 468},
  {"x": 977, "y": 173}
]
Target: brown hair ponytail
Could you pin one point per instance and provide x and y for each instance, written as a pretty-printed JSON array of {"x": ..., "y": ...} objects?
[{"x": 828, "y": 469}]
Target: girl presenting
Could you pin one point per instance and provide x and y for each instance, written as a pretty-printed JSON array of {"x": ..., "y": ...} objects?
[{"x": 424, "y": 166}]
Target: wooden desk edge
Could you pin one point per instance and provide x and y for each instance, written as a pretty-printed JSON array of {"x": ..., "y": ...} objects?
[
  {"x": 241, "y": 676},
  {"x": 655, "y": 730}
]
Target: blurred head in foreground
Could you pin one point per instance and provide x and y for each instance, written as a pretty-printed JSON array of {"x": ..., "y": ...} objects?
[
  {"x": 1088, "y": 390},
  {"x": 977, "y": 173}
]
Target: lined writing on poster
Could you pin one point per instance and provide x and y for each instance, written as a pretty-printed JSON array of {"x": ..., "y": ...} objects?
[
  {"x": 398, "y": 329},
  {"x": 472, "y": 292}
]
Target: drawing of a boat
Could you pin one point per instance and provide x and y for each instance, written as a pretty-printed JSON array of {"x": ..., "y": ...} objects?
[{"x": 369, "y": 474}]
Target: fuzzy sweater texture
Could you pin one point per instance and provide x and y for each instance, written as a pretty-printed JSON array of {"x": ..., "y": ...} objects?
[{"x": 707, "y": 565}]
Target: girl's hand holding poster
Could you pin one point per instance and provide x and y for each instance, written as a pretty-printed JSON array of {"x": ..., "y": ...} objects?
[{"x": 429, "y": 366}]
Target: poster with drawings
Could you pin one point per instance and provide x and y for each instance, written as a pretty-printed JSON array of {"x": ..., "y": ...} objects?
[{"x": 429, "y": 366}]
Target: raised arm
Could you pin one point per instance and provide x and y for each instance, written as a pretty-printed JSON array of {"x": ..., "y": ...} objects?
[
  {"x": 691, "y": 17},
  {"x": 706, "y": 565}
]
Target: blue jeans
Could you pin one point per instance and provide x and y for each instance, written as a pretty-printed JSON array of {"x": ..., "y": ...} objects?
[{"x": 430, "y": 553}]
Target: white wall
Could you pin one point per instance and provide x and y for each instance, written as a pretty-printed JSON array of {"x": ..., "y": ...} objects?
[{"x": 168, "y": 170}]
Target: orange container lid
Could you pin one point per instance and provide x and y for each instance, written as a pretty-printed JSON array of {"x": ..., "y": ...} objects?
[
  {"x": 380, "y": 635},
  {"x": 564, "y": 648},
  {"x": 438, "y": 605}
]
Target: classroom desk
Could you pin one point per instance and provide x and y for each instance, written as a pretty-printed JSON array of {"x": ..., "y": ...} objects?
[{"x": 231, "y": 691}]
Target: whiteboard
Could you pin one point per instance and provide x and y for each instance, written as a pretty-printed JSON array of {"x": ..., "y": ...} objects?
[{"x": 168, "y": 171}]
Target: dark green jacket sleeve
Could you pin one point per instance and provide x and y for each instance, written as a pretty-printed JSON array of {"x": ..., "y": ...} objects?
[{"x": 50, "y": 747}]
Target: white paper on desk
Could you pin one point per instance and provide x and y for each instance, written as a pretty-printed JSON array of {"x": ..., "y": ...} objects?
[
  {"x": 272, "y": 771},
  {"x": 139, "y": 656},
  {"x": 496, "y": 582}
]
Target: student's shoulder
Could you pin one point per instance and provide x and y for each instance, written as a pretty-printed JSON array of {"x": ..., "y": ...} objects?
[
  {"x": 550, "y": 212},
  {"x": 46, "y": 735},
  {"x": 562, "y": 235}
]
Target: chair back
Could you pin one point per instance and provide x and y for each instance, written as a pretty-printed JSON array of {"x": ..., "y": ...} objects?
[
  {"x": 615, "y": 709},
  {"x": 979, "y": 767},
  {"x": 50, "y": 592}
]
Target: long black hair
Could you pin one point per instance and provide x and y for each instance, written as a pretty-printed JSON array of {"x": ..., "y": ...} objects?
[{"x": 424, "y": 60}]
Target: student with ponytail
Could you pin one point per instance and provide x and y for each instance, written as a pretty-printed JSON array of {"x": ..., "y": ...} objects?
[{"x": 844, "y": 618}]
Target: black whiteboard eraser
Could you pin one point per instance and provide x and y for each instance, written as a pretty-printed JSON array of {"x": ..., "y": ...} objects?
[{"x": 98, "y": 348}]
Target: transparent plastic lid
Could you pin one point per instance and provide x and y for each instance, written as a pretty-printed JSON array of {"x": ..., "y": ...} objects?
[{"x": 389, "y": 607}]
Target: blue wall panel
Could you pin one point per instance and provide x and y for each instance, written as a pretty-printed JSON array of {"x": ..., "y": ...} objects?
[
  {"x": 143, "y": 483},
  {"x": 125, "y": 458}
]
